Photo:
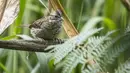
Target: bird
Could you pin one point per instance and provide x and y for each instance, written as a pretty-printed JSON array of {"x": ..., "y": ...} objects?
[{"x": 47, "y": 27}]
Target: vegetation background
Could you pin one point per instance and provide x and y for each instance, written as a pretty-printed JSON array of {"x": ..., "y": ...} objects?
[{"x": 110, "y": 14}]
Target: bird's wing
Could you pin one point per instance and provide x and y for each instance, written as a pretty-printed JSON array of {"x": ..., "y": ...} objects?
[{"x": 38, "y": 23}]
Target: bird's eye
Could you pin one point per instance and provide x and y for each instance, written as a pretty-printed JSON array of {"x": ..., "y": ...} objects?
[{"x": 56, "y": 16}]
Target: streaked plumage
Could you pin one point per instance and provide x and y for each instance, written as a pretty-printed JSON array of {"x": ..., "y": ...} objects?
[{"x": 47, "y": 27}]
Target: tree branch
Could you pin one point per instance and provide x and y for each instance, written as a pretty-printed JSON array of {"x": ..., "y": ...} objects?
[{"x": 29, "y": 45}]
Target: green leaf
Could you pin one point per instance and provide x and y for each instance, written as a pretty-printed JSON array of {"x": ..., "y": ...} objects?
[{"x": 43, "y": 58}]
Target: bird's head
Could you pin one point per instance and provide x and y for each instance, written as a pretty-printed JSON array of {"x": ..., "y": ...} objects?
[{"x": 56, "y": 15}]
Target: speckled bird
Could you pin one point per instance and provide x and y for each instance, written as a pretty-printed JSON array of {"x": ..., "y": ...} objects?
[{"x": 47, "y": 27}]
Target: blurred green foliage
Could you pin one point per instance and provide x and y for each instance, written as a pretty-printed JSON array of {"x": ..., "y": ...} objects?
[{"x": 79, "y": 11}]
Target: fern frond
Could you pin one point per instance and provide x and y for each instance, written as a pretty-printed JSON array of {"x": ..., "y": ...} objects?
[
  {"x": 95, "y": 68},
  {"x": 96, "y": 48},
  {"x": 72, "y": 60},
  {"x": 101, "y": 49},
  {"x": 110, "y": 56},
  {"x": 97, "y": 45},
  {"x": 75, "y": 56},
  {"x": 124, "y": 68},
  {"x": 60, "y": 51},
  {"x": 82, "y": 55},
  {"x": 83, "y": 36}
]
